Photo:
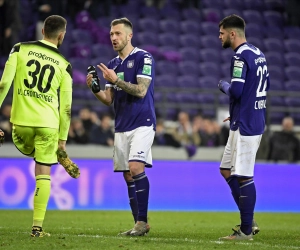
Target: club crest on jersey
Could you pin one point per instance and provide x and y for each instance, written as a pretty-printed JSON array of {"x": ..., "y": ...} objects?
[{"x": 130, "y": 64}]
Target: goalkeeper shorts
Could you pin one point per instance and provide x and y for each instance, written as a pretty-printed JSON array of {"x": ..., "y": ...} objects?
[{"x": 39, "y": 143}]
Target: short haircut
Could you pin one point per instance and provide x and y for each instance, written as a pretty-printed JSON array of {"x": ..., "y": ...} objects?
[
  {"x": 122, "y": 20},
  {"x": 53, "y": 25},
  {"x": 233, "y": 21}
]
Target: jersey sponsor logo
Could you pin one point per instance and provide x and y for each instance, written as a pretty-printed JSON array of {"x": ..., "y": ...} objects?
[
  {"x": 260, "y": 60},
  {"x": 237, "y": 72},
  {"x": 140, "y": 152},
  {"x": 130, "y": 63},
  {"x": 147, "y": 70},
  {"x": 43, "y": 57},
  {"x": 147, "y": 61},
  {"x": 238, "y": 64}
]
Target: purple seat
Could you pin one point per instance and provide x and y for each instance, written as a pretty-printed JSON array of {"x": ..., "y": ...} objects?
[
  {"x": 292, "y": 101},
  {"x": 188, "y": 68},
  {"x": 254, "y": 30},
  {"x": 292, "y": 72},
  {"x": 292, "y": 59},
  {"x": 169, "y": 25},
  {"x": 273, "y": 18},
  {"x": 191, "y": 14},
  {"x": 81, "y": 50},
  {"x": 290, "y": 32},
  {"x": 209, "y": 28},
  {"x": 212, "y": 4},
  {"x": 206, "y": 98},
  {"x": 275, "y": 58},
  {"x": 209, "y": 68},
  {"x": 169, "y": 12},
  {"x": 210, "y": 55},
  {"x": 276, "y": 84},
  {"x": 276, "y": 73},
  {"x": 223, "y": 99},
  {"x": 276, "y": 117},
  {"x": 273, "y": 32},
  {"x": 189, "y": 40},
  {"x": 187, "y": 81},
  {"x": 257, "y": 5},
  {"x": 150, "y": 12},
  {"x": 253, "y": 16},
  {"x": 167, "y": 38},
  {"x": 225, "y": 71},
  {"x": 257, "y": 42},
  {"x": 292, "y": 45},
  {"x": 80, "y": 64},
  {"x": 166, "y": 67},
  {"x": 148, "y": 24},
  {"x": 276, "y": 101},
  {"x": 185, "y": 97},
  {"x": 277, "y": 5},
  {"x": 211, "y": 15},
  {"x": 228, "y": 12},
  {"x": 226, "y": 55},
  {"x": 211, "y": 42},
  {"x": 189, "y": 54},
  {"x": 189, "y": 26},
  {"x": 274, "y": 44},
  {"x": 237, "y": 4},
  {"x": 78, "y": 77},
  {"x": 147, "y": 37},
  {"x": 208, "y": 82},
  {"x": 103, "y": 50},
  {"x": 82, "y": 36},
  {"x": 166, "y": 80},
  {"x": 292, "y": 85}
]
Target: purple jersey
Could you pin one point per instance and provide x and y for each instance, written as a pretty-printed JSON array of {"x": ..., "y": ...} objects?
[
  {"x": 248, "y": 90},
  {"x": 131, "y": 111}
]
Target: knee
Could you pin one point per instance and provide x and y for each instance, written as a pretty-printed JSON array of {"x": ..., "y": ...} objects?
[{"x": 127, "y": 176}]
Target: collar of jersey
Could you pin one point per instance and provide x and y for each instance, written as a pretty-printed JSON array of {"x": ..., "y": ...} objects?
[
  {"x": 236, "y": 49},
  {"x": 48, "y": 43}
]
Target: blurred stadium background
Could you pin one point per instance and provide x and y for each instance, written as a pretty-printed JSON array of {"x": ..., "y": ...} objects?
[{"x": 183, "y": 38}]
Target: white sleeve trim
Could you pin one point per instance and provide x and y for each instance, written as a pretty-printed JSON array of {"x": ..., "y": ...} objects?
[
  {"x": 109, "y": 85},
  {"x": 143, "y": 76},
  {"x": 237, "y": 80}
]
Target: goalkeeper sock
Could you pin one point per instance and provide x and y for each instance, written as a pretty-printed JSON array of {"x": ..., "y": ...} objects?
[
  {"x": 247, "y": 204},
  {"x": 41, "y": 197},
  {"x": 234, "y": 185},
  {"x": 142, "y": 193},
  {"x": 132, "y": 199}
]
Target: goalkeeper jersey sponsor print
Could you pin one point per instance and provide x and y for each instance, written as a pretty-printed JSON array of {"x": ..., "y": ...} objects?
[
  {"x": 131, "y": 111},
  {"x": 248, "y": 91},
  {"x": 39, "y": 71}
]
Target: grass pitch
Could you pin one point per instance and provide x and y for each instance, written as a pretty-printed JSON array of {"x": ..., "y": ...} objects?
[{"x": 169, "y": 230}]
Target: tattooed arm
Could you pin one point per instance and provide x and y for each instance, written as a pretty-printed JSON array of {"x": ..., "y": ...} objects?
[{"x": 139, "y": 90}]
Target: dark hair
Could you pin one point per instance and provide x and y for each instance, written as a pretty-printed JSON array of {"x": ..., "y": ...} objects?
[
  {"x": 122, "y": 20},
  {"x": 233, "y": 21},
  {"x": 53, "y": 25}
]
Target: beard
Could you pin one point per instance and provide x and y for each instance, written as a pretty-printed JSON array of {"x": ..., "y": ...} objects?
[
  {"x": 121, "y": 46},
  {"x": 227, "y": 43}
]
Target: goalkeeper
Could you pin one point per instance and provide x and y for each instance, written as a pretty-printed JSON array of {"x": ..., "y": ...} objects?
[{"x": 40, "y": 122}]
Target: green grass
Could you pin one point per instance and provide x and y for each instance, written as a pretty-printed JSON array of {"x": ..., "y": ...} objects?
[{"x": 169, "y": 230}]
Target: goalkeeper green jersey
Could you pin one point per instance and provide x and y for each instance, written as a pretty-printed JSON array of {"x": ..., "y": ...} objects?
[{"x": 39, "y": 71}]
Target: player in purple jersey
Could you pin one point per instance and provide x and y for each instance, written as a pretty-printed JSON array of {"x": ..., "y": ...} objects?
[
  {"x": 130, "y": 87},
  {"x": 247, "y": 92}
]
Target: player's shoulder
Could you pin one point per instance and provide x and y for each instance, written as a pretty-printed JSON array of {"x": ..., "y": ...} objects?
[
  {"x": 247, "y": 50},
  {"x": 141, "y": 53}
]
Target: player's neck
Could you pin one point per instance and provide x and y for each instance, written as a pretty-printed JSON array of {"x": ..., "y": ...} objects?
[
  {"x": 51, "y": 41},
  {"x": 125, "y": 52},
  {"x": 238, "y": 42}
]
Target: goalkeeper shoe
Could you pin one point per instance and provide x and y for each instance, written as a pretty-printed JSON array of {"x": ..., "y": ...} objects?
[
  {"x": 38, "y": 232},
  {"x": 141, "y": 228},
  {"x": 237, "y": 235},
  {"x": 70, "y": 167}
]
